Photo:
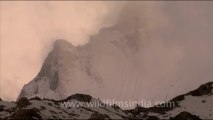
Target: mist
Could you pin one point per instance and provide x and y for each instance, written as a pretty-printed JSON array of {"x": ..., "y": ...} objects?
[
  {"x": 176, "y": 37},
  {"x": 177, "y": 45},
  {"x": 28, "y": 30}
]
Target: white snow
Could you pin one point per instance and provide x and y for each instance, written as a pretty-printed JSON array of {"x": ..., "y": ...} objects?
[{"x": 201, "y": 106}]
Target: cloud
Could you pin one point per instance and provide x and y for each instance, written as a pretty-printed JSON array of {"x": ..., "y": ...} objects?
[
  {"x": 28, "y": 30},
  {"x": 177, "y": 45}
]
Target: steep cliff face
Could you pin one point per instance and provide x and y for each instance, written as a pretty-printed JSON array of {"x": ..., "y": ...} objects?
[{"x": 66, "y": 70}]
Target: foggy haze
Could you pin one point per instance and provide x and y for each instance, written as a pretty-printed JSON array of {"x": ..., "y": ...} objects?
[
  {"x": 177, "y": 39},
  {"x": 28, "y": 30}
]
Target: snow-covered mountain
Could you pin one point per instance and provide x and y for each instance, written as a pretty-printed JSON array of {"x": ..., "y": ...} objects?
[
  {"x": 112, "y": 65},
  {"x": 198, "y": 103},
  {"x": 112, "y": 59},
  {"x": 194, "y": 105},
  {"x": 77, "y": 106},
  {"x": 86, "y": 69},
  {"x": 66, "y": 70}
]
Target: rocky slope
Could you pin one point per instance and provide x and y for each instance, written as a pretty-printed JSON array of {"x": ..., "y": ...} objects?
[
  {"x": 194, "y": 105},
  {"x": 77, "y": 106},
  {"x": 198, "y": 102}
]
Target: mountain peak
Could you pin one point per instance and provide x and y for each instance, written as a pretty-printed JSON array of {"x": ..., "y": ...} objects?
[
  {"x": 61, "y": 44},
  {"x": 54, "y": 78}
]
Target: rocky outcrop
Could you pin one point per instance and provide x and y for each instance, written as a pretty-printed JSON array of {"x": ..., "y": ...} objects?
[
  {"x": 185, "y": 116},
  {"x": 182, "y": 106},
  {"x": 23, "y": 102},
  {"x": 76, "y": 106},
  {"x": 27, "y": 114},
  {"x": 79, "y": 97},
  {"x": 80, "y": 106}
]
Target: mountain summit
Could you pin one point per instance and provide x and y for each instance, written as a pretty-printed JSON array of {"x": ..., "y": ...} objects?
[
  {"x": 97, "y": 68},
  {"x": 104, "y": 67},
  {"x": 65, "y": 71}
]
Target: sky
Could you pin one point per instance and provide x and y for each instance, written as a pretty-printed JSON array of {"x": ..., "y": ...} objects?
[{"x": 181, "y": 31}]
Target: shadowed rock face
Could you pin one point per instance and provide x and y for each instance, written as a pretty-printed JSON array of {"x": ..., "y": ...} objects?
[
  {"x": 204, "y": 89},
  {"x": 97, "y": 116},
  {"x": 23, "y": 102},
  {"x": 79, "y": 97},
  {"x": 51, "y": 65},
  {"x": 186, "y": 116},
  {"x": 54, "y": 81},
  {"x": 27, "y": 114}
]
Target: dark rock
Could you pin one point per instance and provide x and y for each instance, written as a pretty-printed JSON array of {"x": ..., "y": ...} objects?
[
  {"x": 50, "y": 104},
  {"x": 79, "y": 97},
  {"x": 23, "y": 102},
  {"x": 1, "y": 108},
  {"x": 116, "y": 107},
  {"x": 54, "y": 81},
  {"x": 43, "y": 108},
  {"x": 53, "y": 112},
  {"x": 97, "y": 116},
  {"x": 36, "y": 98},
  {"x": 178, "y": 98},
  {"x": 160, "y": 110},
  {"x": 152, "y": 118},
  {"x": 185, "y": 116},
  {"x": 22, "y": 94},
  {"x": 204, "y": 89},
  {"x": 27, "y": 114}
]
